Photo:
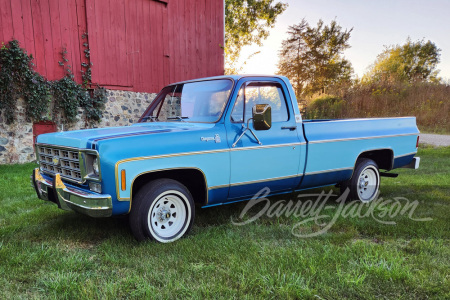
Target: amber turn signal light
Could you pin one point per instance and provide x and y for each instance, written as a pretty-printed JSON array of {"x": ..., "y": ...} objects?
[{"x": 123, "y": 180}]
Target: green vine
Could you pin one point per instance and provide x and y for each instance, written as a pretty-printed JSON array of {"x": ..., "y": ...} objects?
[
  {"x": 94, "y": 103},
  {"x": 66, "y": 92},
  {"x": 64, "y": 96},
  {"x": 18, "y": 79},
  {"x": 86, "y": 72}
]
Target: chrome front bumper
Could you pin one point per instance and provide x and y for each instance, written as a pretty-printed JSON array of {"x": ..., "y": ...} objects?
[{"x": 69, "y": 198}]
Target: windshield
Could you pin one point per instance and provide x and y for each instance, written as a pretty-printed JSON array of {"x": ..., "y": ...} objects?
[{"x": 202, "y": 101}]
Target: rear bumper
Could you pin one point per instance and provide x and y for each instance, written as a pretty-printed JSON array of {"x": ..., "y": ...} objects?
[
  {"x": 414, "y": 164},
  {"x": 70, "y": 198}
]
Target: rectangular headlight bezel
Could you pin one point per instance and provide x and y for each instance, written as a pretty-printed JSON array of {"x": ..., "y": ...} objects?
[{"x": 88, "y": 157}]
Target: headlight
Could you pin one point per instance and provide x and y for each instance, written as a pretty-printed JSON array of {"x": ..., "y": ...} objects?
[{"x": 95, "y": 166}]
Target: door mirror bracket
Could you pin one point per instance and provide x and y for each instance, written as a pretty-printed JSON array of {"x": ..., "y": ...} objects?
[
  {"x": 262, "y": 120},
  {"x": 244, "y": 131}
]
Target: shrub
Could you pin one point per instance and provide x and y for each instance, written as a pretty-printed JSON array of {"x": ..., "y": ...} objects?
[
  {"x": 325, "y": 107},
  {"x": 428, "y": 102}
]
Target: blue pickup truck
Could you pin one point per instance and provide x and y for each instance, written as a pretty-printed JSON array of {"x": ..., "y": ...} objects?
[{"x": 214, "y": 141}]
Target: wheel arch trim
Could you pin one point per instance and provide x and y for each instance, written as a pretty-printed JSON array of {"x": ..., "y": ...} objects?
[
  {"x": 373, "y": 150},
  {"x": 163, "y": 170}
]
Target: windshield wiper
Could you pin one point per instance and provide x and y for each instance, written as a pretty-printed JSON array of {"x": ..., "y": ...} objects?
[
  {"x": 152, "y": 118},
  {"x": 177, "y": 118}
]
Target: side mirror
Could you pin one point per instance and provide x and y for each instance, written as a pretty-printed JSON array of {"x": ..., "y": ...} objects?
[{"x": 262, "y": 116}]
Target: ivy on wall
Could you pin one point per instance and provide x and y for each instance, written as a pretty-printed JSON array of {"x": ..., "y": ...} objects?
[
  {"x": 18, "y": 79},
  {"x": 46, "y": 99},
  {"x": 95, "y": 103}
]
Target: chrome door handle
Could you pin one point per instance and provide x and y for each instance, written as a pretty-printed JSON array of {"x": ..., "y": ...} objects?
[{"x": 291, "y": 128}]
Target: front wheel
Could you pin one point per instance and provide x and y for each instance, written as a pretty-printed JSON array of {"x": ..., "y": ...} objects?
[
  {"x": 365, "y": 182},
  {"x": 163, "y": 210}
]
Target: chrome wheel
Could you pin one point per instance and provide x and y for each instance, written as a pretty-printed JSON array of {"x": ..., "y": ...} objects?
[
  {"x": 365, "y": 182},
  {"x": 163, "y": 210},
  {"x": 168, "y": 216},
  {"x": 368, "y": 184}
]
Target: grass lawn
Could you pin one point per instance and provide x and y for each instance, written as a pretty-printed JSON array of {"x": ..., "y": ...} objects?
[{"x": 49, "y": 253}]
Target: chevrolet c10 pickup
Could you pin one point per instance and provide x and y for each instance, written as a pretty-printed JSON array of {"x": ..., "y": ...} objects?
[{"x": 214, "y": 141}]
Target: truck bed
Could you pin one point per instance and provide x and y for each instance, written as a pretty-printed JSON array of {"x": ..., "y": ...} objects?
[{"x": 334, "y": 145}]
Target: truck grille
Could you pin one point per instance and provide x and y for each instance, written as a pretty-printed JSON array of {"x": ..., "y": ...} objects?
[{"x": 55, "y": 160}]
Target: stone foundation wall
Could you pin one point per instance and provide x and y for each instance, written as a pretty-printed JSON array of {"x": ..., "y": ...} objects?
[{"x": 16, "y": 140}]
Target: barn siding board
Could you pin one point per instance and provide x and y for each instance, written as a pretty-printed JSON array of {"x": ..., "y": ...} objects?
[
  {"x": 201, "y": 48},
  {"x": 91, "y": 28},
  {"x": 207, "y": 38},
  {"x": 217, "y": 22},
  {"x": 94, "y": 39},
  {"x": 151, "y": 26},
  {"x": 157, "y": 47},
  {"x": 99, "y": 68},
  {"x": 190, "y": 40},
  {"x": 16, "y": 13},
  {"x": 181, "y": 44},
  {"x": 28, "y": 41},
  {"x": 184, "y": 46},
  {"x": 110, "y": 26},
  {"x": 5, "y": 10},
  {"x": 130, "y": 11},
  {"x": 155, "y": 50},
  {"x": 165, "y": 45},
  {"x": 220, "y": 44},
  {"x": 196, "y": 15},
  {"x": 83, "y": 38},
  {"x": 170, "y": 41},
  {"x": 123, "y": 47},
  {"x": 56, "y": 42},
  {"x": 138, "y": 45},
  {"x": 47, "y": 34},
  {"x": 71, "y": 36},
  {"x": 166, "y": 38},
  {"x": 137, "y": 55},
  {"x": 102, "y": 40},
  {"x": 38, "y": 34},
  {"x": 147, "y": 61}
]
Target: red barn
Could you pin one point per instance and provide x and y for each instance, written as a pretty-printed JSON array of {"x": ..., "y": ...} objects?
[{"x": 135, "y": 45}]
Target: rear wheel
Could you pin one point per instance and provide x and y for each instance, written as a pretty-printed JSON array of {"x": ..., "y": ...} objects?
[
  {"x": 365, "y": 182},
  {"x": 163, "y": 210}
]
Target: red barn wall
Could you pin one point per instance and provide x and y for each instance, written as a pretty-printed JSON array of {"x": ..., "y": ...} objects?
[{"x": 137, "y": 45}]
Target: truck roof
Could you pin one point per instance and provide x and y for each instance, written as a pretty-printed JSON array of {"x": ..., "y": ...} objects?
[{"x": 233, "y": 77}]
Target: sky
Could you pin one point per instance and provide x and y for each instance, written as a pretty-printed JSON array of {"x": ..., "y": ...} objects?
[{"x": 375, "y": 24}]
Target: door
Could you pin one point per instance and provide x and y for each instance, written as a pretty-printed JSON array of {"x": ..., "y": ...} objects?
[
  {"x": 128, "y": 43},
  {"x": 275, "y": 162}
]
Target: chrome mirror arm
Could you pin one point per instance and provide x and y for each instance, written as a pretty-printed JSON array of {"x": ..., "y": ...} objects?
[{"x": 243, "y": 132}]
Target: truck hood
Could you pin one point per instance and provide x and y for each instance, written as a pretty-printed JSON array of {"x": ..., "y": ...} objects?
[{"x": 86, "y": 138}]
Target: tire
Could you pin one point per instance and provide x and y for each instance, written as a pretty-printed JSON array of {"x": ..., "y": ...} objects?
[
  {"x": 163, "y": 211},
  {"x": 365, "y": 182}
]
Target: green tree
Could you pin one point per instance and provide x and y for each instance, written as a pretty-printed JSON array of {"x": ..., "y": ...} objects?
[
  {"x": 413, "y": 61},
  {"x": 312, "y": 57},
  {"x": 247, "y": 22}
]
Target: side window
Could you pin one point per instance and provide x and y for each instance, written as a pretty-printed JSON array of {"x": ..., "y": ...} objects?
[
  {"x": 170, "y": 106},
  {"x": 260, "y": 93}
]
